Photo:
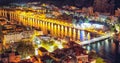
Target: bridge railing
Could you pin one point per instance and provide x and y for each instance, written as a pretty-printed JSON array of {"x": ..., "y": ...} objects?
[{"x": 95, "y": 39}]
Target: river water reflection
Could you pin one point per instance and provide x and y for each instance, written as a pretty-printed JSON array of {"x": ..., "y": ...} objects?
[{"x": 106, "y": 49}]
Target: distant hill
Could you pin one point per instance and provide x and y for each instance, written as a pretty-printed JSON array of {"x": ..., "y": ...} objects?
[{"x": 78, "y": 3}]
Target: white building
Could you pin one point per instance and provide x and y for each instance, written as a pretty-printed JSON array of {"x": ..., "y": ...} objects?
[{"x": 15, "y": 37}]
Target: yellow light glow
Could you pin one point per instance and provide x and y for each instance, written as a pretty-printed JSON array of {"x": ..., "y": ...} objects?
[
  {"x": 78, "y": 35},
  {"x": 66, "y": 31},
  {"x": 58, "y": 31},
  {"x": 74, "y": 34},
  {"x": 62, "y": 31},
  {"x": 55, "y": 30},
  {"x": 48, "y": 26},
  {"x": 28, "y": 57},
  {"x": 52, "y": 29},
  {"x": 70, "y": 31}
]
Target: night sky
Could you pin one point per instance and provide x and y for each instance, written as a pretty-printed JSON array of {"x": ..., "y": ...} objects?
[{"x": 58, "y": 2}]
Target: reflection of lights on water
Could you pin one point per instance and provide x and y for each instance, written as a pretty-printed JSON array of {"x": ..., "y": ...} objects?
[
  {"x": 82, "y": 35},
  {"x": 106, "y": 45},
  {"x": 88, "y": 48},
  {"x": 93, "y": 45},
  {"x": 106, "y": 42},
  {"x": 98, "y": 45}
]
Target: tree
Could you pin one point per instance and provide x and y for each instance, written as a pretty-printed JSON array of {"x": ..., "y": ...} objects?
[
  {"x": 118, "y": 19},
  {"x": 92, "y": 55},
  {"x": 112, "y": 28},
  {"x": 117, "y": 27},
  {"x": 25, "y": 49},
  {"x": 99, "y": 60}
]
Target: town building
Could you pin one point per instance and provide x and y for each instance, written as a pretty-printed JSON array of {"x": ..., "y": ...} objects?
[{"x": 9, "y": 57}]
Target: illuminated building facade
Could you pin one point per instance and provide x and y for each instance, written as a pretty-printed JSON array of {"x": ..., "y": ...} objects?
[{"x": 56, "y": 27}]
